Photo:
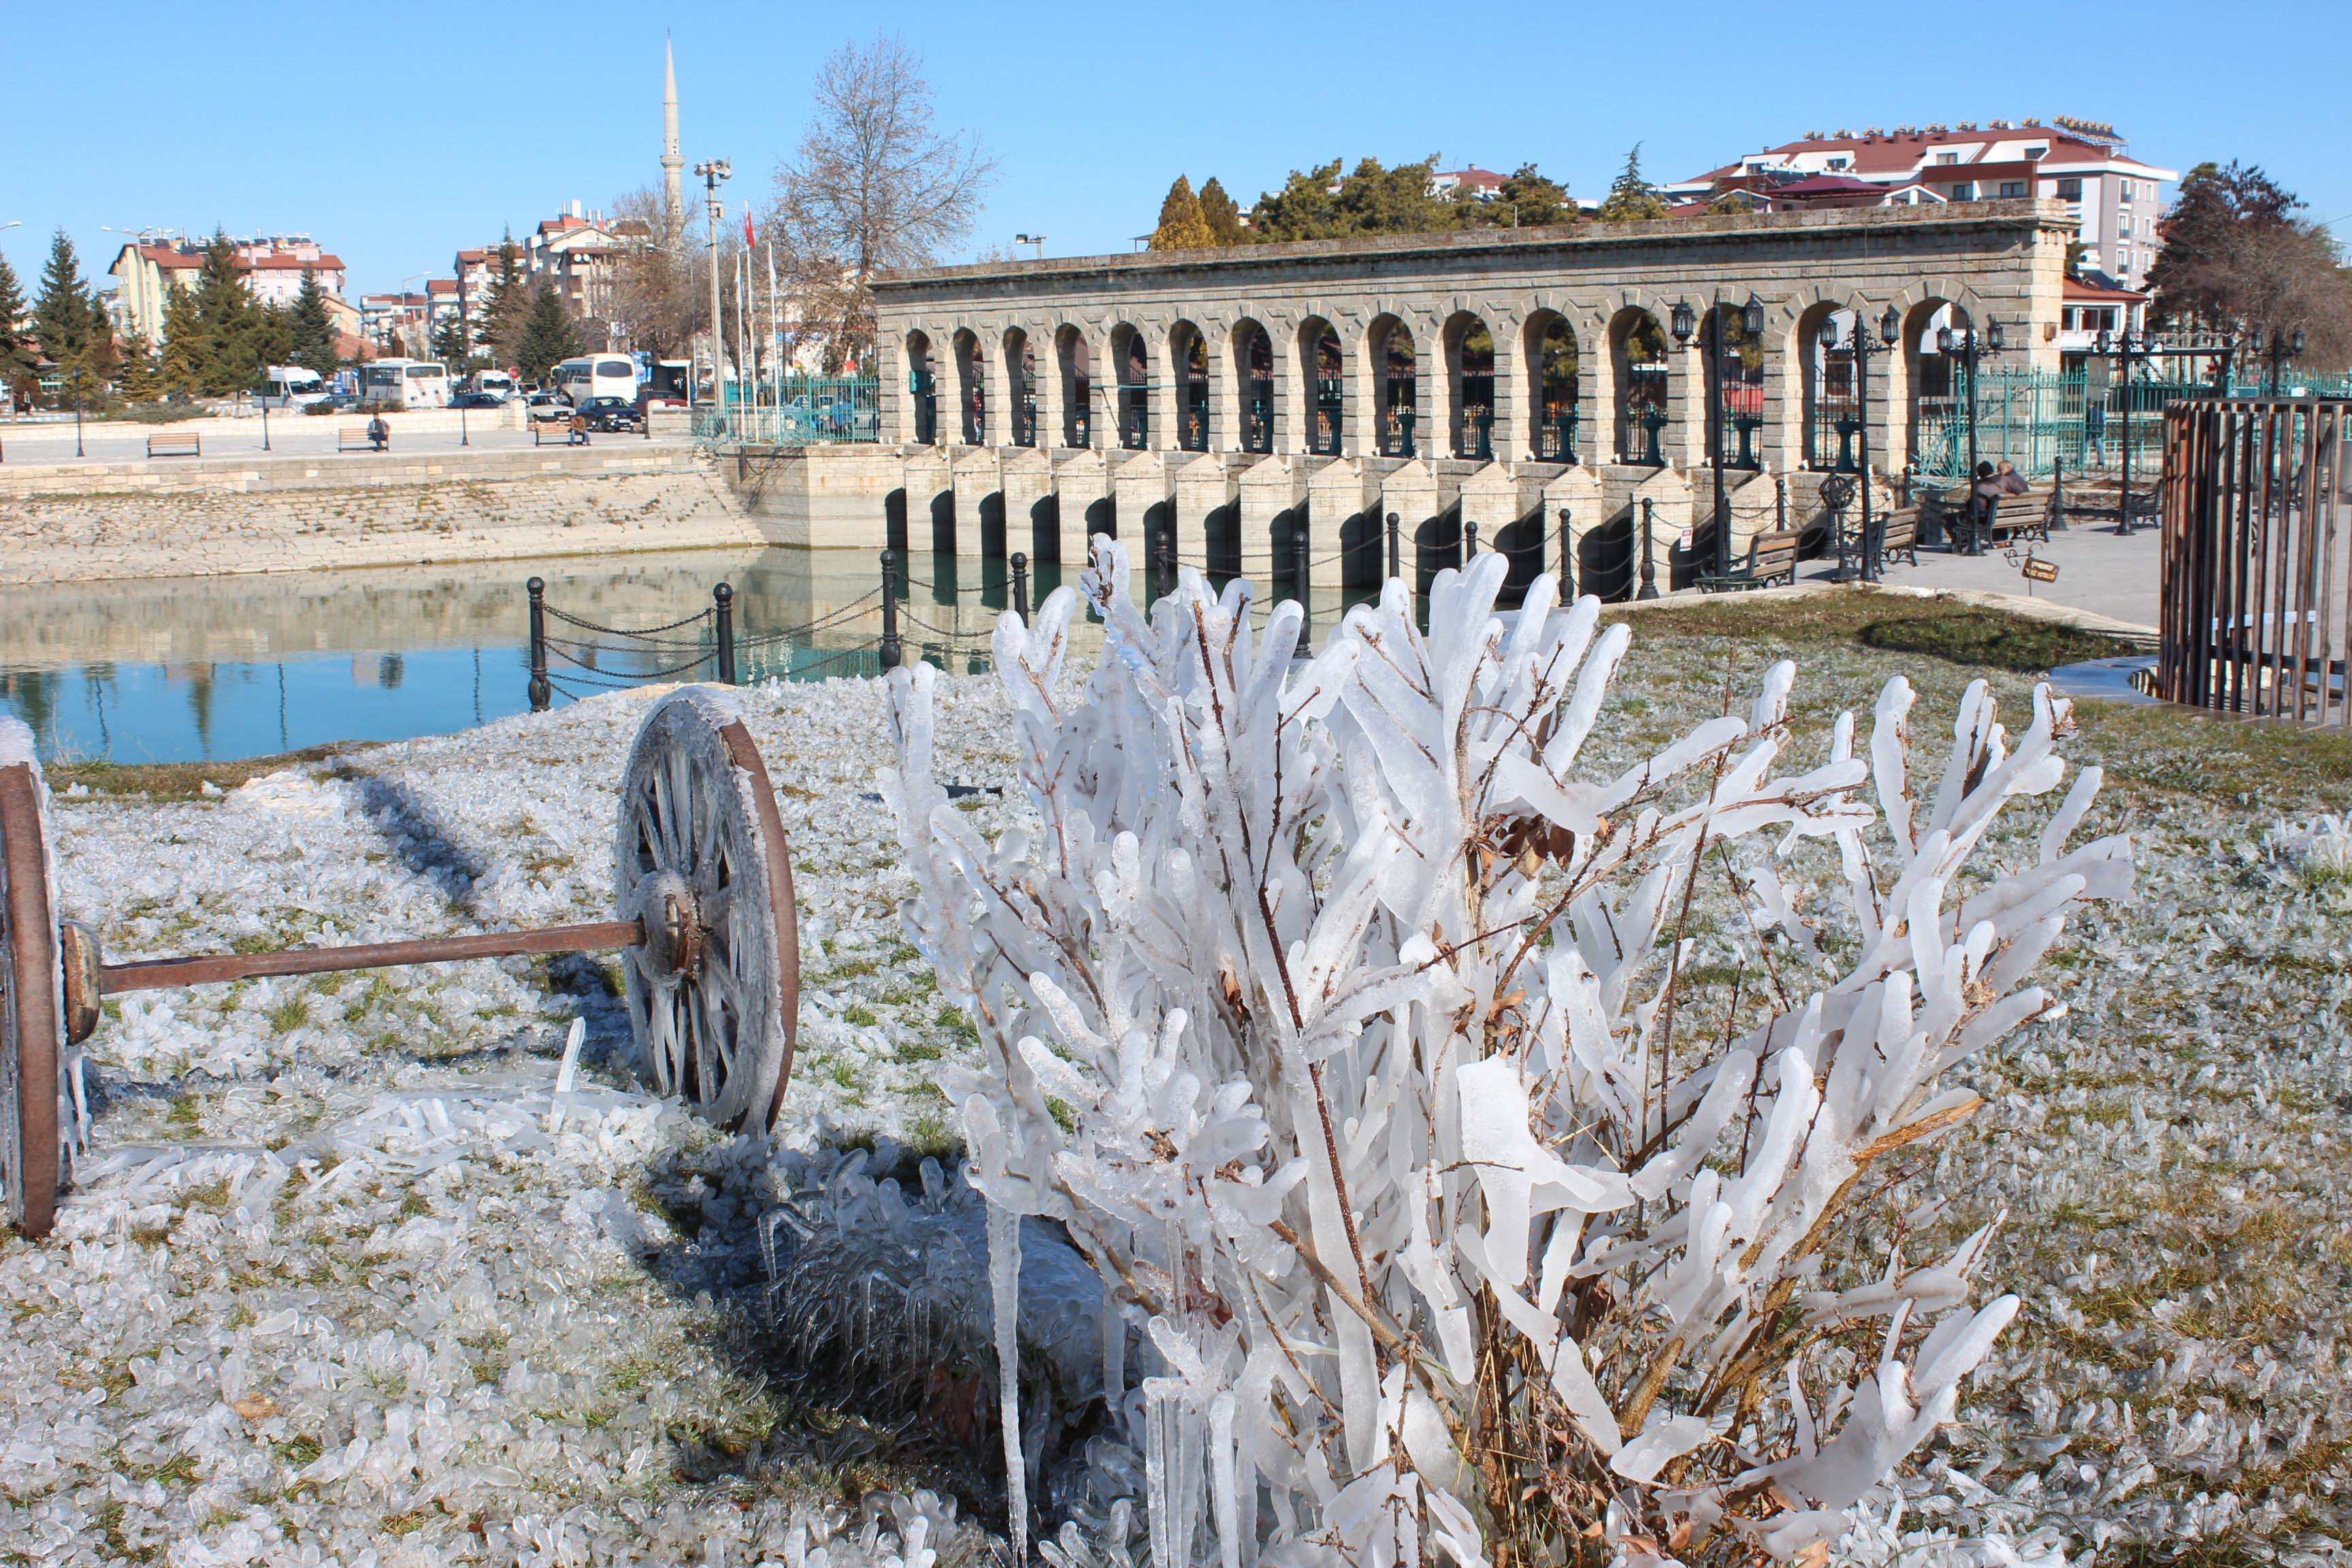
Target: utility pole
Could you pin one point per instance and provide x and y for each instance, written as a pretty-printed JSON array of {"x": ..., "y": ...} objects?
[{"x": 711, "y": 172}]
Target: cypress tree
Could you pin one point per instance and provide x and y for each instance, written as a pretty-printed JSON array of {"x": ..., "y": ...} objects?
[
  {"x": 1223, "y": 218},
  {"x": 548, "y": 337},
  {"x": 313, "y": 329},
  {"x": 1183, "y": 226}
]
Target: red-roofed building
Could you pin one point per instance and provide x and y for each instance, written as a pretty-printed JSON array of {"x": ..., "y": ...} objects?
[
  {"x": 272, "y": 267},
  {"x": 2114, "y": 197},
  {"x": 1470, "y": 180}
]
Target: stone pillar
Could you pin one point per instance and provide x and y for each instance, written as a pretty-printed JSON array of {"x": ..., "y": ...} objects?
[
  {"x": 931, "y": 521},
  {"x": 1433, "y": 401},
  {"x": 1411, "y": 492},
  {"x": 975, "y": 476},
  {"x": 1202, "y": 486},
  {"x": 1102, "y": 395},
  {"x": 1139, "y": 482},
  {"x": 1050, "y": 406},
  {"x": 1578, "y": 493},
  {"x": 1160, "y": 373},
  {"x": 893, "y": 415},
  {"x": 1359, "y": 391},
  {"x": 1334, "y": 492},
  {"x": 1683, "y": 441},
  {"x": 1225, "y": 390},
  {"x": 1268, "y": 488},
  {"x": 1782, "y": 442},
  {"x": 1294, "y": 391},
  {"x": 1490, "y": 499},
  {"x": 1668, "y": 493},
  {"x": 1027, "y": 477},
  {"x": 1081, "y": 501},
  {"x": 1513, "y": 398}
]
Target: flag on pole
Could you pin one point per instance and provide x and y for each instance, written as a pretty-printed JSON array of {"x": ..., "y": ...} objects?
[{"x": 748, "y": 238}]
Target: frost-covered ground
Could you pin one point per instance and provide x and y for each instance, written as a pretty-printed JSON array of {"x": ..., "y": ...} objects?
[{"x": 334, "y": 1290}]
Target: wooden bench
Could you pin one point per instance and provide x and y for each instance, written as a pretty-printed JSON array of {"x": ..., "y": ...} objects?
[
  {"x": 540, "y": 430},
  {"x": 2024, "y": 516},
  {"x": 184, "y": 445},
  {"x": 359, "y": 441},
  {"x": 1899, "y": 534},
  {"x": 1771, "y": 558}
]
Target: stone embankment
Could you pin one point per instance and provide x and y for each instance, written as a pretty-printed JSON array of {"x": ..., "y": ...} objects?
[{"x": 91, "y": 521}]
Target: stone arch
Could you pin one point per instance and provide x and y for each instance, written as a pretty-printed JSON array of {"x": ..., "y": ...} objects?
[
  {"x": 1322, "y": 371},
  {"x": 1188, "y": 367},
  {"x": 1252, "y": 349},
  {"x": 922, "y": 388},
  {"x": 1469, "y": 345},
  {"x": 1829, "y": 398},
  {"x": 1074, "y": 363},
  {"x": 1395, "y": 363},
  {"x": 1640, "y": 358},
  {"x": 1737, "y": 361},
  {"x": 1130, "y": 368},
  {"x": 1552, "y": 373},
  {"x": 970, "y": 388},
  {"x": 1021, "y": 386},
  {"x": 1936, "y": 401}
]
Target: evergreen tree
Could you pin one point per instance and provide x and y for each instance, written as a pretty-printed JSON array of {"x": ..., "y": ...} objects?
[
  {"x": 1528, "y": 199},
  {"x": 272, "y": 341},
  {"x": 1183, "y": 224},
  {"x": 506, "y": 304},
  {"x": 179, "y": 371},
  {"x": 140, "y": 380},
  {"x": 1631, "y": 196},
  {"x": 547, "y": 336},
  {"x": 228, "y": 340},
  {"x": 449, "y": 343},
  {"x": 1223, "y": 218},
  {"x": 61, "y": 311},
  {"x": 1321, "y": 203},
  {"x": 313, "y": 327},
  {"x": 16, "y": 357}
]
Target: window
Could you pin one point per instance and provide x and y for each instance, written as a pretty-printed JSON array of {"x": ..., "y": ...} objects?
[
  {"x": 1966, "y": 191},
  {"x": 2069, "y": 189},
  {"x": 615, "y": 367},
  {"x": 1948, "y": 157},
  {"x": 2011, "y": 188},
  {"x": 1840, "y": 163},
  {"x": 2124, "y": 192},
  {"x": 2122, "y": 224},
  {"x": 2034, "y": 154}
]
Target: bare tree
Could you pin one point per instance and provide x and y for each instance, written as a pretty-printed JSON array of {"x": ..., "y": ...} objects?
[
  {"x": 874, "y": 184},
  {"x": 659, "y": 298}
]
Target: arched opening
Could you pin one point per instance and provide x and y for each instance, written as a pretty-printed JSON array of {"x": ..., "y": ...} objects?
[
  {"x": 972, "y": 389},
  {"x": 1254, "y": 372},
  {"x": 1393, "y": 367},
  {"x": 1637, "y": 353},
  {"x": 922, "y": 389},
  {"x": 1320, "y": 366},
  {"x": 1470, "y": 387},
  {"x": 1188, "y": 351},
  {"x": 1606, "y": 559},
  {"x": 1131, "y": 364},
  {"x": 1021, "y": 386},
  {"x": 1938, "y": 415},
  {"x": 1735, "y": 358},
  {"x": 1076, "y": 364},
  {"x": 1551, "y": 352},
  {"x": 1832, "y": 395},
  {"x": 1435, "y": 546},
  {"x": 894, "y": 520}
]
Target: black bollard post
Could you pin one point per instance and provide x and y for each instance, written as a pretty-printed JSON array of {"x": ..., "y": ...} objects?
[
  {"x": 1567, "y": 563},
  {"x": 890, "y": 650},
  {"x": 722, "y": 600},
  {"x": 1649, "y": 561},
  {"x": 1396, "y": 557},
  {"x": 1469, "y": 542},
  {"x": 1020, "y": 586},
  {"x": 540, "y": 691},
  {"x": 1299, "y": 589}
]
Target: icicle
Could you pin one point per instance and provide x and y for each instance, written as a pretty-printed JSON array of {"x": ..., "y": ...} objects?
[
  {"x": 1156, "y": 1452},
  {"x": 1222, "y": 1478},
  {"x": 1114, "y": 1348},
  {"x": 1004, "y": 1281}
]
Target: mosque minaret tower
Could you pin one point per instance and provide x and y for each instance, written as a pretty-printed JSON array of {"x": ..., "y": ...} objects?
[{"x": 673, "y": 165}]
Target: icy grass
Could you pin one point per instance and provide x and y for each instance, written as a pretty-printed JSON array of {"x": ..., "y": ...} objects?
[{"x": 339, "y": 1293}]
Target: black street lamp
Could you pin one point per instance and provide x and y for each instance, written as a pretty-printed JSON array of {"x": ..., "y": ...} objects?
[
  {"x": 265, "y": 406},
  {"x": 1890, "y": 331},
  {"x": 75, "y": 377},
  {"x": 2285, "y": 345},
  {"x": 1964, "y": 345},
  {"x": 2125, "y": 349},
  {"x": 1751, "y": 317}
]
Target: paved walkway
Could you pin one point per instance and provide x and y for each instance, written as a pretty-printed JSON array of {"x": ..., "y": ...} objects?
[
  {"x": 2097, "y": 572},
  {"x": 291, "y": 436}
]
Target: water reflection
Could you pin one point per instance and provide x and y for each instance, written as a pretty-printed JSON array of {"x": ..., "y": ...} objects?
[{"x": 223, "y": 667}]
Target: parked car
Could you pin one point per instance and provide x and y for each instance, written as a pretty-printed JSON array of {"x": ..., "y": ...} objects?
[
  {"x": 477, "y": 400},
  {"x": 613, "y": 414},
  {"x": 546, "y": 408},
  {"x": 335, "y": 403}
]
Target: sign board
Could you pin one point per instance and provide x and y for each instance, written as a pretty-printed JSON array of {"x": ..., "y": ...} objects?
[
  {"x": 2037, "y": 570},
  {"x": 1686, "y": 539}
]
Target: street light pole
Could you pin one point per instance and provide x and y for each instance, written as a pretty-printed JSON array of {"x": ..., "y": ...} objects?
[
  {"x": 265, "y": 406},
  {"x": 76, "y": 386},
  {"x": 712, "y": 172},
  {"x": 1964, "y": 345}
]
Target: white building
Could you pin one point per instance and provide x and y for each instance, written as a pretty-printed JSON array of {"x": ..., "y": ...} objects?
[
  {"x": 271, "y": 265},
  {"x": 2114, "y": 197}
]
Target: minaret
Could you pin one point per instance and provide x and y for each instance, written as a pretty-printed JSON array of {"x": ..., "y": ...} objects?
[{"x": 673, "y": 165}]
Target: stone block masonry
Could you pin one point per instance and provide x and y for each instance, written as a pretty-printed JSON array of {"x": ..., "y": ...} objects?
[{"x": 97, "y": 522}]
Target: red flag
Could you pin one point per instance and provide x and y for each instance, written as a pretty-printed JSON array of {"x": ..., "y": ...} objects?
[{"x": 748, "y": 240}]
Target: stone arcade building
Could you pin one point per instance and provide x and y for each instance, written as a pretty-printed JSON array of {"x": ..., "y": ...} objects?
[{"x": 1532, "y": 384}]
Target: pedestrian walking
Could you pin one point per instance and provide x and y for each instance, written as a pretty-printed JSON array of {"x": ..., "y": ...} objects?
[{"x": 2094, "y": 428}]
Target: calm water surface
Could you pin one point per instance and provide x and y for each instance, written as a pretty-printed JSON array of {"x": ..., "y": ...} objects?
[{"x": 200, "y": 670}]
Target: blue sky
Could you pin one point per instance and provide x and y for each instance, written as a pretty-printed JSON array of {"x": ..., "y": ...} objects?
[{"x": 396, "y": 134}]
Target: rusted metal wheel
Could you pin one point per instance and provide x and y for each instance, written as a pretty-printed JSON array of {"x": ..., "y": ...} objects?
[
  {"x": 701, "y": 860},
  {"x": 32, "y": 990}
]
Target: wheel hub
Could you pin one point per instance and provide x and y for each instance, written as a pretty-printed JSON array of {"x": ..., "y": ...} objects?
[{"x": 664, "y": 904}]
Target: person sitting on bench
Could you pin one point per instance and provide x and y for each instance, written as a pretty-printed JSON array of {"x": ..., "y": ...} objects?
[
  {"x": 379, "y": 433},
  {"x": 1991, "y": 484},
  {"x": 579, "y": 429}
]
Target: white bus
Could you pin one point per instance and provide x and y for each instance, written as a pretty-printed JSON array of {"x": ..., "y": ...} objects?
[
  {"x": 405, "y": 383},
  {"x": 597, "y": 375}
]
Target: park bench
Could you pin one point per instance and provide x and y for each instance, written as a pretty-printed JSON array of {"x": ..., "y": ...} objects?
[
  {"x": 1899, "y": 535},
  {"x": 1771, "y": 558},
  {"x": 184, "y": 445},
  {"x": 555, "y": 432},
  {"x": 357, "y": 440}
]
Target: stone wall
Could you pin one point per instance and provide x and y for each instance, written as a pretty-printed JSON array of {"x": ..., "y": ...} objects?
[{"x": 90, "y": 522}]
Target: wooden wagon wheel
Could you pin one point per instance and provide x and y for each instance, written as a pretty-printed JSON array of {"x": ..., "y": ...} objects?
[
  {"x": 700, "y": 859},
  {"x": 32, "y": 990}
]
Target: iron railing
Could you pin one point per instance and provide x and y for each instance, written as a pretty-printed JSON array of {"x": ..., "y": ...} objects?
[{"x": 802, "y": 412}]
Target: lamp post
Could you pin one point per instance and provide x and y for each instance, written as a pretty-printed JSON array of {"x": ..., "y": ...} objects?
[
  {"x": 2125, "y": 349},
  {"x": 1751, "y": 317},
  {"x": 75, "y": 377},
  {"x": 1890, "y": 330},
  {"x": 2283, "y": 345},
  {"x": 1035, "y": 240},
  {"x": 1965, "y": 346},
  {"x": 711, "y": 172},
  {"x": 265, "y": 406}
]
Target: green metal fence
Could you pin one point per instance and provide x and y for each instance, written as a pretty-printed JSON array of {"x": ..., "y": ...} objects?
[
  {"x": 803, "y": 411},
  {"x": 2039, "y": 419}
]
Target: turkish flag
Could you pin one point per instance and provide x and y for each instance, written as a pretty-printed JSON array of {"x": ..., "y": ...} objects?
[{"x": 748, "y": 238}]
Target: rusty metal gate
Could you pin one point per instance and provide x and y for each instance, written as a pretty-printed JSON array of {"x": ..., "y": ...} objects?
[{"x": 2257, "y": 586}]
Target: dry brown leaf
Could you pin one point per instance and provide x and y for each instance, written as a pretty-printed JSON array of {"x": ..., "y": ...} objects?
[{"x": 254, "y": 1407}]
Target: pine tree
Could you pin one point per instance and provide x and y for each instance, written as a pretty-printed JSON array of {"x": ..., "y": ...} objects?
[
  {"x": 547, "y": 336},
  {"x": 179, "y": 371},
  {"x": 450, "y": 345},
  {"x": 314, "y": 330},
  {"x": 16, "y": 357},
  {"x": 61, "y": 311},
  {"x": 140, "y": 380},
  {"x": 228, "y": 339},
  {"x": 1223, "y": 218},
  {"x": 1183, "y": 226},
  {"x": 506, "y": 304},
  {"x": 1631, "y": 196}
]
